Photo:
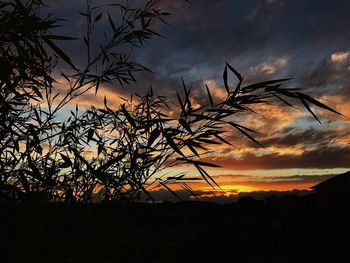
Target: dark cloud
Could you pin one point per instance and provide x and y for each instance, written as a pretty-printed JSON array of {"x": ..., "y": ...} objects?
[
  {"x": 252, "y": 36},
  {"x": 332, "y": 76},
  {"x": 292, "y": 179},
  {"x": 292, "y": 136},
  {"x": 223, "y": 197},
  {"x": 207, "y": 33},
  {"x": 319, "y": 158}
]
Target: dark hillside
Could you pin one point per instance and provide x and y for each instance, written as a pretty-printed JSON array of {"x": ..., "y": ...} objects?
[{"x": 282, "y": 229}]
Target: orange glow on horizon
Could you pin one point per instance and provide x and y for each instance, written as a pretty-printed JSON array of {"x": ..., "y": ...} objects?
[{"x": 230, "y": 187}]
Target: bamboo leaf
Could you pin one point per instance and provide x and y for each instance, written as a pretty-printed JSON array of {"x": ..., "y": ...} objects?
[
  {"x": 59, "y": 52},
  {"x": 112, "y": 23},
  {"x": 209, "y": 96},
  {"x": 128, "y": 116},
  {"x": 171, "y": 143},
  {"x": 153, "y": 136},
  {"x": 90, "y": 134},
  {"x": 316, "y": 102},
  {"x": 57, "y": 37},
  {"x": 242, "y": 130},
  {"x": 309, "y": 109},
  {"x": 225, "y": 77},
  {"x": 170, "y": 190},
  {"x": 98, "y": 17},
  {"x": 67, "y": 161},
  {"x": 200, "y": 163},
  {"x": 184, "y": 124}
]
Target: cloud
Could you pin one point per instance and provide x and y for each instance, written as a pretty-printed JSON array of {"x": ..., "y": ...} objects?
[
  {"x": 199, "y": 41},
  {"x": 272, "y": 68},
  {"x": 330, "y": 77},
  {"x": 90, "y": 97},
  {"x": 314, "y": 179},
  {"x": 340, "y": 57},
  {"x": 320, "y": 158},
  {"x": 292, "y": 136}
]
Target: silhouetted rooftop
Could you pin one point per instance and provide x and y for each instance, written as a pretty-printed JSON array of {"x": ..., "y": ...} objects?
[{"x": 341, "y": 181}]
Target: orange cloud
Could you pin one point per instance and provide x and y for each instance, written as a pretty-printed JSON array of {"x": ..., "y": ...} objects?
[
  {"x": 90, "y": 98},
  {"x": 322, "y": 157},
  {"x": 340, "y": 57},
  {"x": 341, "y": 104},
  {"x": 272, "y": 68}
]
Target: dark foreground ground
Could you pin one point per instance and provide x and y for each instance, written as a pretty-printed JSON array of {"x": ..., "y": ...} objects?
[{"x": 284, "y": 229}]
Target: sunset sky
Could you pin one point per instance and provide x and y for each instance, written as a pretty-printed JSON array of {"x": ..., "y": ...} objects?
[{"x": 308, "y": 41}]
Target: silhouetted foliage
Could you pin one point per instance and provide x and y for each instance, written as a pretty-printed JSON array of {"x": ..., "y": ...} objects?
[{"x": 119, "y": 152}]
